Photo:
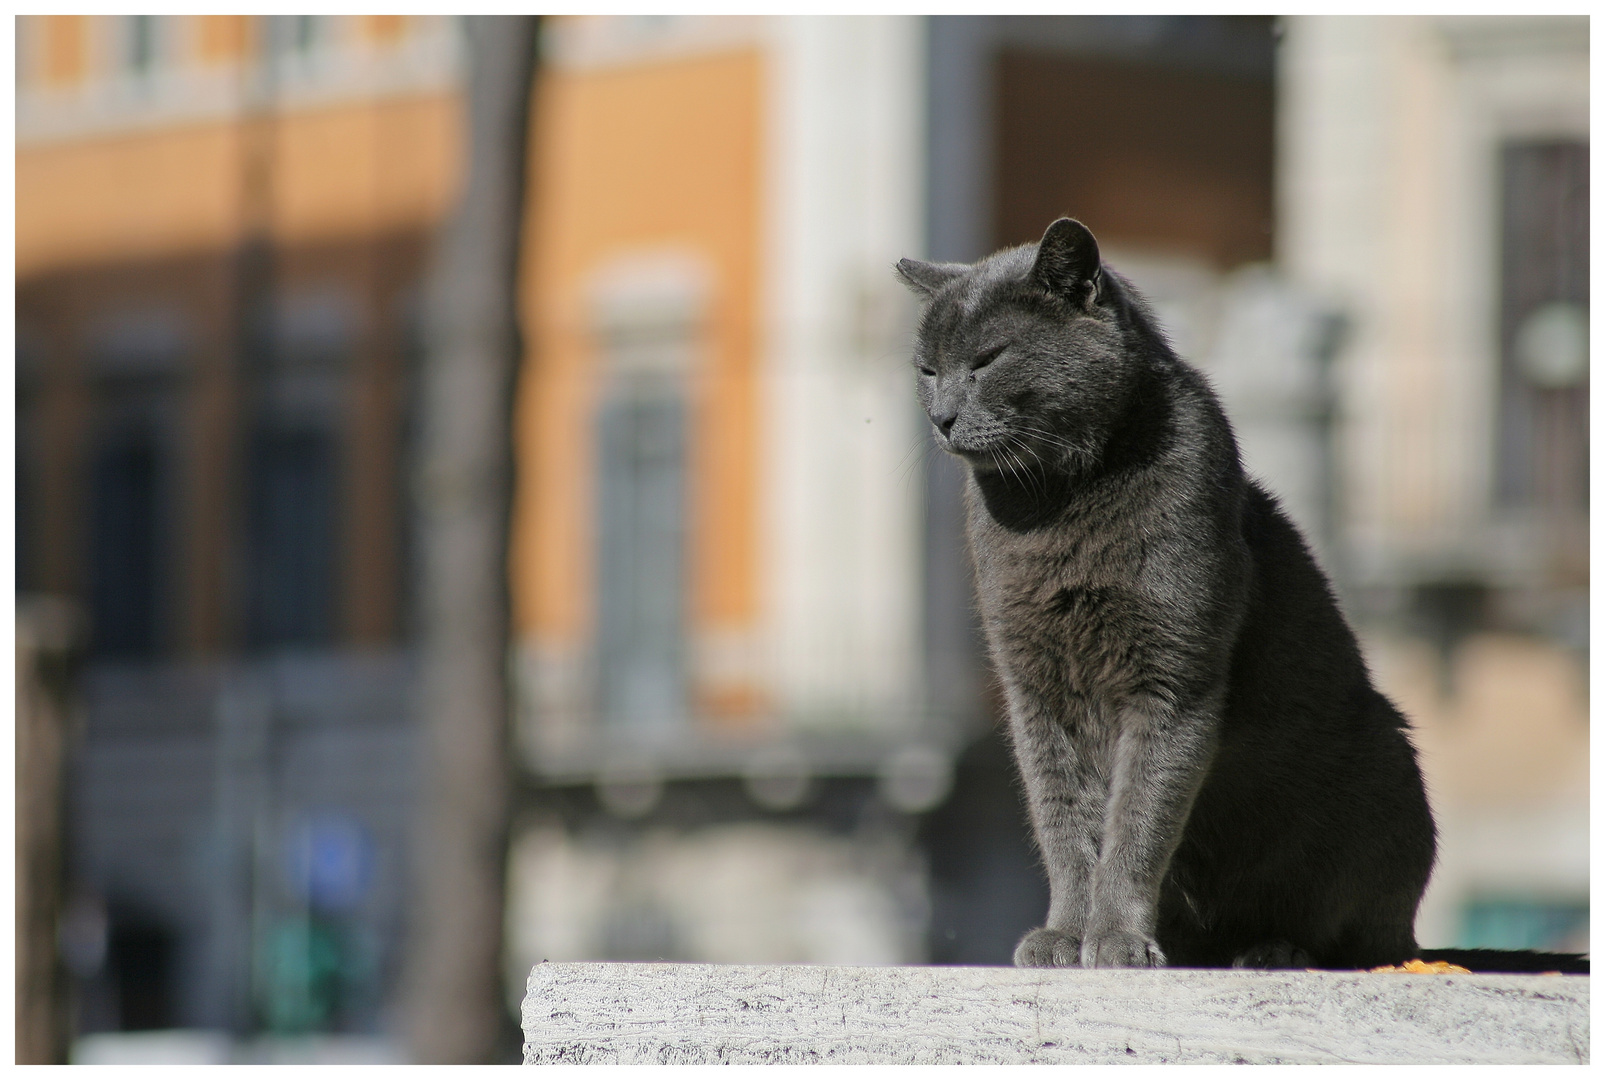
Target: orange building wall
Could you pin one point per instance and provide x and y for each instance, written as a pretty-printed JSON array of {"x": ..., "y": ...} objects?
[
  {"x": 342, "y": 171},
  {"x": 126, "y": 197},
  {"x": 656, "y": 154}
]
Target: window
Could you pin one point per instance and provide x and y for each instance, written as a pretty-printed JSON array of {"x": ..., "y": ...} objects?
[
  {"x": 294, "y": 35},
  {"x": 292, "y": 469},
  {"x": 641, "y": 451},
  {"x": 132, "y": 466},
  {"x": 1543, "y": 346},
  {"x": 292, "y": 535},
  {"x": 140, "y": 50},
  {"x": 126, "y": 542},
  {"x": 305, "y": 32},
  {"x": 29, "y": 358},
  {"x": 647, "y": 316}
]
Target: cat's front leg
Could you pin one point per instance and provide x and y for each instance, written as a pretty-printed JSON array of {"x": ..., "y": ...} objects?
[
  {"x": 1160, "y": 759},
  {"x": 1065, "y": 794}
]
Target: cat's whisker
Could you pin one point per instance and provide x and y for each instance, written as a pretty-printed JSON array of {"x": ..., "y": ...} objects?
[
  {"x": 930, "y": 452},
  {"x": 1056, "y": 452},
  {"x": 1014, "y": 469},
  {"x": 1008, "y": 459},
  {"x": 1037, "y": 478},
  {"x": 1034, "y": 482},
  {"x": 1041, "y": 433},
  {"x": 915, "y": 454},
  {"x": 996, "y": 464},
  {"x": 1051, "y": 438},
  {"x": 1028, "y": 479}
]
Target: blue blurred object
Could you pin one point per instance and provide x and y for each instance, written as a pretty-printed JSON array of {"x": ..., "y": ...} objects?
[{"x": 331, "y": 861}]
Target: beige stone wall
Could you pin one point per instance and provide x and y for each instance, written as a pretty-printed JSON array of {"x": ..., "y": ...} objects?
[{"x": 1505, "y": 755}]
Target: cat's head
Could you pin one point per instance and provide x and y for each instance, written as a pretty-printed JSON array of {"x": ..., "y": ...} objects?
[{"x": 1024, "y": 356}]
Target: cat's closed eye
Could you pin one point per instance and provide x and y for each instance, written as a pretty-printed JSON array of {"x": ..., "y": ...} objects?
[{"x": 986, "y": 356}]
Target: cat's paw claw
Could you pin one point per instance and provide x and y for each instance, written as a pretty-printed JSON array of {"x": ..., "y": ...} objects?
[
  {"x": 1120, "y": 948},
  {"x": 1274, "y": 954},
  {"x": 1043, "y": 947}
]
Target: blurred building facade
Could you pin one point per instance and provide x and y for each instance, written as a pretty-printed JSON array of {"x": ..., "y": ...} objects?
[
  {"x": 720, "y": 681},
  {"x": 753, "y": 720},
  {"x": 1434, "y": 188},
  {"x": 221, "y": 226}
]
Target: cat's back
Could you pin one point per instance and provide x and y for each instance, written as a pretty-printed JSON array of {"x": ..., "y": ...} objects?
[{"x": 1296, "y": 652}]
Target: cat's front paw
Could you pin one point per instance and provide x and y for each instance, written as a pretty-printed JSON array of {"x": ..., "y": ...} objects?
[
  {"x": 1120, "y": 948},
  {"x": 1047, "y": 948}
]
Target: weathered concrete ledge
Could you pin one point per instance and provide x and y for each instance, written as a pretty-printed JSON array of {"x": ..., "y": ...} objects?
[{"x": 717, "y": 1014}]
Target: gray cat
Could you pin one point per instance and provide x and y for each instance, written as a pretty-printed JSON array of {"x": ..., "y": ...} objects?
[{"x": 1210, "y": 773}]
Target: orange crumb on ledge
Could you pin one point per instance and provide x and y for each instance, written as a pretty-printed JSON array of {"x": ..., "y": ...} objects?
[{"x": 1421, "y": 967}]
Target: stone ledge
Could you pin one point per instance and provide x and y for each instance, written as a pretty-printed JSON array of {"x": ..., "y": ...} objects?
[{"x": 722, "y": 1014}]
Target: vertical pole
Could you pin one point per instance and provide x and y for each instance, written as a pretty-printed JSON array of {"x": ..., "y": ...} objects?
[
  {"x": 462, "y": 492},
  {"x": 45, "y": 636}
]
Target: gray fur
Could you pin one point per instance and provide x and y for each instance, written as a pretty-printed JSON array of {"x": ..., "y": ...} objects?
[{"x": 1135, "y": 589}]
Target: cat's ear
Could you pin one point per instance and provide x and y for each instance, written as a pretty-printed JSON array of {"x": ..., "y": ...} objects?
[
  {"x": 927, "y": 278},
  {"x": 1067, "y": 261}
]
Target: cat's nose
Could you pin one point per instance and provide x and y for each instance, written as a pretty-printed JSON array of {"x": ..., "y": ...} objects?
[{"x": 944, "y": 420}]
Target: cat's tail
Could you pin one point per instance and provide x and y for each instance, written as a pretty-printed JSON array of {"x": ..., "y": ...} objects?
[{"x": 1511, "y": 961}]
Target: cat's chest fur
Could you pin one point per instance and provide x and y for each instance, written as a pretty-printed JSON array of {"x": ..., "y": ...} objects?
[{"x": 1118, "y": 596}]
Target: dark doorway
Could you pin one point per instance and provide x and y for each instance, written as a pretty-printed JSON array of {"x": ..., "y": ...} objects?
[
  {"x": 140, "y": 954},
  {"x": 1150, "y": 155}
]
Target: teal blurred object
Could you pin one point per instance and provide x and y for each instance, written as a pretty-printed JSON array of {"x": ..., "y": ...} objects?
[
  {"x": 310, "y": 971},
  {"x": 1524, "y": 923},
  {"x": 300, "y": 976}
]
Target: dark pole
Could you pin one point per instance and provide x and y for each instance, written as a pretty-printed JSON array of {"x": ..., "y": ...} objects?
[
  {"x": 47, "y": 636},
  {"x": 462, "y": 490}
]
